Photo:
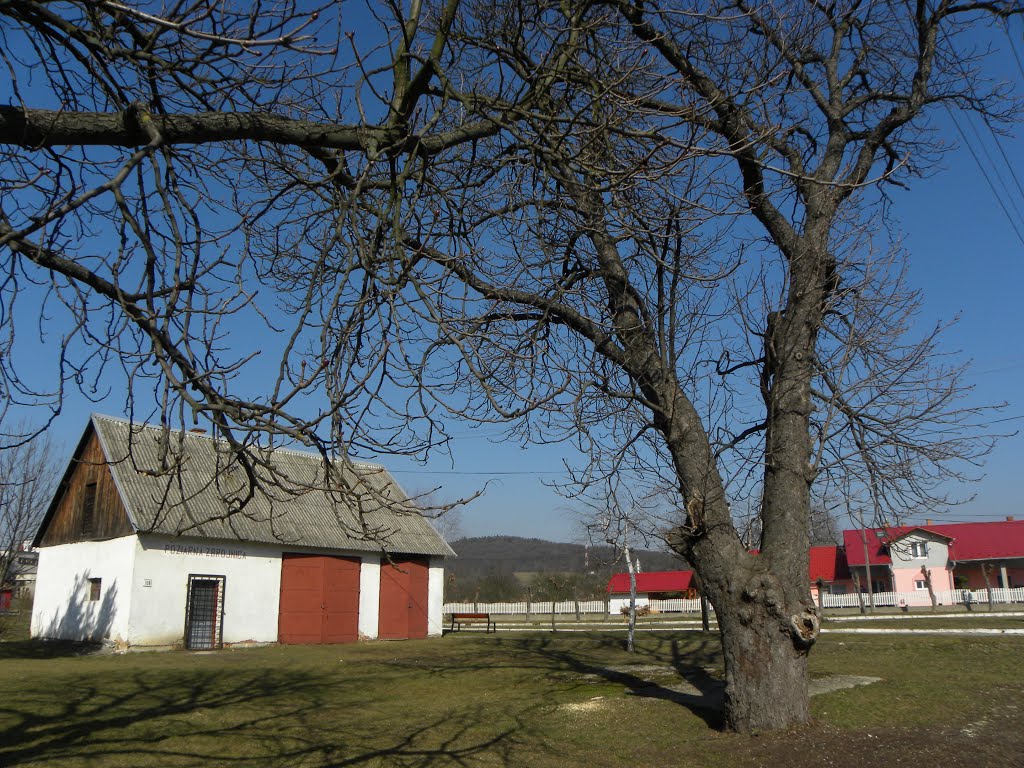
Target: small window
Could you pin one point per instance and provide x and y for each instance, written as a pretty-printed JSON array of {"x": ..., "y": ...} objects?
[
  {"x": 920, "y": 584},
  {"x": 880, "y": 534},
  {"x": 919, "y": 549},
  {"x": 89, "y": 509},
  {"x": 95, "y": 587}
]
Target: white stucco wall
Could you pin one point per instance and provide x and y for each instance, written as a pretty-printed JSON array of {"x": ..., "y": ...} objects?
[
  {"x": 369, "y": 597},
  {"x": 938, "y": 552},
  {"x": 616, "y": 602},
  {"x": 145, "y": 584},
  {"x": 435, "y": 596},
  {"x": 159, "y": 591},
  {"x": 62, "y": 608}
]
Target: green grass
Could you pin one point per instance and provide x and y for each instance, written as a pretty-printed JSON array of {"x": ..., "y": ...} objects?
[
  {"x": 14, "y": 626},
  {"x": 936, "y": 621},
  {"x": 497, "y": 700}
]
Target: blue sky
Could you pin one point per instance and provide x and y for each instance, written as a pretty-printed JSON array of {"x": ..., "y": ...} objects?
[
  {"x": 968, "y": 261},
  {"x": 966, "y": 258}
]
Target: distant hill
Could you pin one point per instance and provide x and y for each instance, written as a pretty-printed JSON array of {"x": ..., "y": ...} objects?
[{"x": 480, "y": 555}]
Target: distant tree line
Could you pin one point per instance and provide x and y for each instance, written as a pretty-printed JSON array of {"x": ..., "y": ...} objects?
[
  {"x": 499, "y": 585},
  {"x": 510, "y": 568}
]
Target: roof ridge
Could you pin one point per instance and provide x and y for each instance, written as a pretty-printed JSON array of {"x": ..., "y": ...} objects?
[
  {"x": 204, "y": 435},
  {"x": 382, "y": 518}
]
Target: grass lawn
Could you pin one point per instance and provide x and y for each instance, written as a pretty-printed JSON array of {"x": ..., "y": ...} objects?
[
  {"x": 15, "y": 626},
  {"x": 925, "y": 620},
  {"x": 537, "y": 699}
]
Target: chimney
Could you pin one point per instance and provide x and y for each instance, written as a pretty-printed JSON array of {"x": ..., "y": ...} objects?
[
  {"x": 928, "y": 521},
  {"x": 1009, "y": 518}
]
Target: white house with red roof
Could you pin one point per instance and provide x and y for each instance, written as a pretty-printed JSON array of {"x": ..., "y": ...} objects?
[
  {"x": 656, "y": 585},
  {"x": 897, "y": 559}
]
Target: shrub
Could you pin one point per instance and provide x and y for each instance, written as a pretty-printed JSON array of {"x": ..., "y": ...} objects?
[{"x": 641, "y": 610}]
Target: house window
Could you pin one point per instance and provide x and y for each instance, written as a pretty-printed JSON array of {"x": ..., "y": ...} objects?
[
  {"x": 95, "y": 587},
  {"x": 920, "y": 584},
  {"x": 89, "y": 509},
  {"x": 919, "y": 549},
  {"x": 838, "y": 589}
]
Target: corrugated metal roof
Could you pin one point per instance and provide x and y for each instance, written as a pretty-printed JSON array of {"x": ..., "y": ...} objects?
[
  {"x": 968, "y": 541},
  {"x": 828, "y": 563},
  {"x": 877, "y": 540},
  {"x": 652, "y": 581},
  {"x": 189, "y": 491}
]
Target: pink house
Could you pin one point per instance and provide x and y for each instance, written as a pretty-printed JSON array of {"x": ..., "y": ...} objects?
[{"x": 898, "y": 558}]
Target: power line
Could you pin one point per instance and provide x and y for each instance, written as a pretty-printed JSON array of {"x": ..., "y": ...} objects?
[
  {"x": 474, "y": 473},
  {"x": 1013, "y": 47},
  {"x": 1010, "y": 365},
  {"x": 986, "y": 176}
]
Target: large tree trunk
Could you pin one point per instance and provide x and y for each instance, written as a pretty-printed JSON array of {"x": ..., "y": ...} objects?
[
  {"x": 766, "y": 617},
  {"x": 765, "y": 673},
  {"x": 770, "y": 622},
  {"x": 767, "y": 630}
]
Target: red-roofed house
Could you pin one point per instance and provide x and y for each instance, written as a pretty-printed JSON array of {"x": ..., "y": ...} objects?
[
  {"x": 953, "y": 554},
  {"x": 656, "y": 585},
  {"x": 829, "y": 568}
]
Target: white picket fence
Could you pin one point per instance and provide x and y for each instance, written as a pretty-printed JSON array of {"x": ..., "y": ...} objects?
[
  {"x": 522, "y": 608},
  {"x": 920, "y": 598},
  {"x": 569, "y": 606},
  {"x": 978, "y": 597}
]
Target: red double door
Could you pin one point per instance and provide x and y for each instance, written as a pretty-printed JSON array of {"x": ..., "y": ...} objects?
[
  {"x": 403, "y": 598},
  {"x": 319, "y": 599}
]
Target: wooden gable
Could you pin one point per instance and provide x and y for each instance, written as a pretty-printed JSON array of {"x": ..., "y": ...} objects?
[{"x": 88, "y": 483}]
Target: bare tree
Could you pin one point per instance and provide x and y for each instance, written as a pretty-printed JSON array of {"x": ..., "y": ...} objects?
[
  {"x": 824, "y": 528},
  {"x": 28, "y": 477},
  {"x": 686, "y": 261},
  {"x": 645, "y": 230},
  {"x": 144, "y": 208},
  {"x": 927, "y": 575},
  {"x": 618, "y": 528}
]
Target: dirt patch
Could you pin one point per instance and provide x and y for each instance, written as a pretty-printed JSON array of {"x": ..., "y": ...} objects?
[
  {"x": 839, "y": 683},
  {"x": 993, "y": 742},
  {"x": 591, "y": 705}
]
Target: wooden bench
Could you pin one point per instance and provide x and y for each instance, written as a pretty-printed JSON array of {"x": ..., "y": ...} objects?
[{"x": 458, "y": 619}]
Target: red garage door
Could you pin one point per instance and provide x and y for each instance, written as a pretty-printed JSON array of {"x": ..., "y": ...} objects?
[
  {"x": 403, "y": 598},
  {"x": 319, "y": 599}
]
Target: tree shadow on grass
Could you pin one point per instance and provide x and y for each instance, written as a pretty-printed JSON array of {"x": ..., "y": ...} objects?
[
  {"x": 47, "y": 649},
  {"x": 695, "y": 688},
  {"x": 236, "y": 716}
]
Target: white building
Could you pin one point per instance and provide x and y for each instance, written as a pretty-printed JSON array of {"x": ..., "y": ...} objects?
[{"x": 143, "y": 547}]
